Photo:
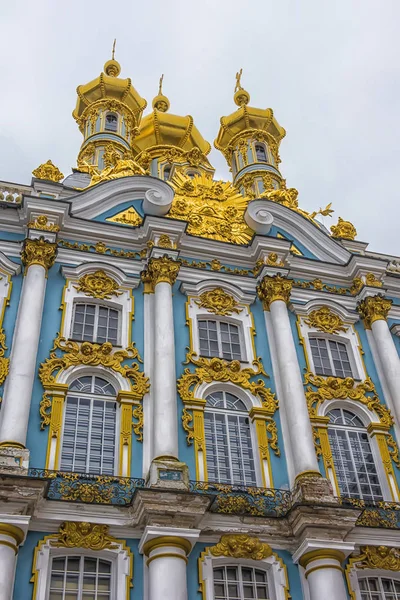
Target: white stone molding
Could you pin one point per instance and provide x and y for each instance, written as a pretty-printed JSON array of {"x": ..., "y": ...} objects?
[
  {"x": 156, "y": 203},
  {"x": 8, "y": 268},
  {"x": 258, "y": 217},
  {"x": 120, "y": 558},
  {"x": 148, "y": 360},
  {"x": 273, "y": 565},
  {"x": 395, "y": 329}
]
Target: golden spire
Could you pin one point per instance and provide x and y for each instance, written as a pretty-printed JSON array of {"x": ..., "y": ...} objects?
[
  {"x": 241, "y": 97},
  {"x": 112, "y": 67},
  {"x": 161, "y": 102}
]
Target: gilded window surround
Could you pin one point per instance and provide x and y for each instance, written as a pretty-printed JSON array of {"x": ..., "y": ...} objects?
[
  {"x": 370, "y": 559},
  {"x": 320, "y": 389},
  {"x": 216, "y": 370}
]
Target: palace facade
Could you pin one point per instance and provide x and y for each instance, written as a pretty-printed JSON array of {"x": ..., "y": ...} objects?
[{"x": 200, "y": 381}]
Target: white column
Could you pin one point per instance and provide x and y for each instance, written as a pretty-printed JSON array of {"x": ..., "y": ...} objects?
[
  {"x": 275, "y": 293},
  {"x": 38, "y": 256},
  {"x": 165, "y": 417},
  {"x": 324, "y": 574},
  {"x": 374, "y": 310},
  {"x": 148, "y": 298},
  {"x": 10, "y": 538},
  {"x": 166, "y": 564}
]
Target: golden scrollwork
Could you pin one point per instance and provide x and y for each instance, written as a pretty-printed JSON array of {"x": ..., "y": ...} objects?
[
  {"x": 325, "y": 320},
  {"x": 162, "y": 269},
  {"x": 4, "y": 362},
  {"x": 116, "y": 166},
  {"x": 42, "y": 222},
  {"x": 187, "y": 424},
  {"x": 336, "y": 388},
  {"x": 45, "y": 411},
  {"x": 48, "y": 171},
  {"x": 127, "y": 217},
  {"x": 241, "y": 546},
  {"x": 288, "y": 197},
  {"x": 39, "y": 252},
  {"x": 85, "y": 535},
  {"x": 98, "y": 285},
  {"x": 137, "y": 414},
  {"x": 274, "y": 288},
  {"x": 218, "y": 302},
  {"x": 393, "y": 450},
  {"x": 344, "y": 229},
  {"x": 374, "y": 308},
  {"x": 378, "y": 557},
  {"x": 213, "y": 209},
  {"x": 101, "y": 248}
]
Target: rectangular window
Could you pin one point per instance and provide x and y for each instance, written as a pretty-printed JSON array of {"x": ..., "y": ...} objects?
[
  {"x": 330, "y": 358},
  {"x": 80, "y": 578},
  {"x": 379, "y": 588},
  {"x": 95, "y": 323},
  {"x": 239, "y": 583},
  {"x": 220, "y": 339}
]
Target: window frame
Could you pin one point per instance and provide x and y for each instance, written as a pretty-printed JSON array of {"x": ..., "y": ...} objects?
[
  {"x": 81, "y": 554},
  {"x": 219, "y": 319},
  {"x": 98, "y": 304},
  {"x": 264, "y": 146},
  {"x": 354, "y": 574},
  {"x": 110, "y": 112},
  {"x": 338, "y": 340}
]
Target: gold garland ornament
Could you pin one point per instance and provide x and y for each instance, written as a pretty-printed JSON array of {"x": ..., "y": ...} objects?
[
  {"x": 38, "y": 252},
  {"x": 98, "y": 285},
  {"x": 217, "y": 301},
  {"x": 273, "y": 288},
  {"x": 374, "y": 308},
  {"x": 344, "y": 230},
  {"x": 325, "y": 320},
  {"x": 163, "y": 269},
  {"x": 85, "y": 535},
  {"x": 48, "y": 171},
  {"x": 241, "y": 546}
]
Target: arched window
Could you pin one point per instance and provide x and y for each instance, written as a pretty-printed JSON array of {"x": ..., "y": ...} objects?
[
  {"x": 352, "y": 456},
  {"x": 111, "y": 122},
  {"x": 237, "y": 582},
  {"x": 229, "y": 451},
  {"x": 221, "y": 339},
  {"x": 80, "y": 577},
  {"x": 330, "y": 358},
  {"x": 89, "y": 436},
  {"x": 379, "y": 588},
  {"x": 167, "y": 172},
  {"x": 261, "y": 153},
  {"x": 95, "y": 323}
]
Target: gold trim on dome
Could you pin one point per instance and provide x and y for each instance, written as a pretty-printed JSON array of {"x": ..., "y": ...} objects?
[
  {"x": 130, "y": 216},
  {"x": 241, "y": 546},
  {"x": 218, "y": 302},
  {"x": 344, "y": 230},
  {"x": 162, "y": 269},
  {"x": 42, "y": 222},
  {"x": 38, "y": 252},
  {"x": 325, "y": 320},
  {"x": 85, "y": 535},
  {"x": 48, "y": 171},
  {"x": 213, "y": 209},
  {"x": 98, "y": 285},
  {"x": 374, "y": 308},
  {"x": 273, "y": 288}
]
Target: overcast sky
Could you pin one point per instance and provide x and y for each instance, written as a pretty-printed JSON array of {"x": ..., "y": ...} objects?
[{"x": 328, "y": 69}]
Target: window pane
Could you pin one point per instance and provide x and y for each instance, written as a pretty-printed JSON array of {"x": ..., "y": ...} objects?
[{"x": 75, "y": 578}]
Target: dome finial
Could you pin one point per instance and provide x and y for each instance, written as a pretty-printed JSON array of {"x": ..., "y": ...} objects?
[
  {"x": 161, "y": 102},
  {"x": 241, "y": 97},
  {"x": 112, "y": 67}
]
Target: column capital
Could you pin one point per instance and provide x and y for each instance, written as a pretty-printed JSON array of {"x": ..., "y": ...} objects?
[
  {"x": 315, "y": 549},
  {"x": 273, "y": 288},
  {"x": 161, "y": 269},
  {"x": 374, "y": 308},
  {"x": 38, "y": 252},
  {"x": 168, "y": 536}
]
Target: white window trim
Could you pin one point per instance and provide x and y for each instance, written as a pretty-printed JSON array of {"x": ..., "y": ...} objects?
[
  {"x": 354, "y": 575},
  {"x": 277, "y": 575},
  {"x": 366, "y": 417},
  {"x": 120, "y": 558}
]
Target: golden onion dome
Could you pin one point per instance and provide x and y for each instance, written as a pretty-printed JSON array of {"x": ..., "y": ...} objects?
[
  {"x": 109, "y": 88},
  {"x": 160, "y": 128}
]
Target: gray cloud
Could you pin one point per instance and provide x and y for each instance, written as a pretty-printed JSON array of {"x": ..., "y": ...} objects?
[{"x": 328, "y": 69}]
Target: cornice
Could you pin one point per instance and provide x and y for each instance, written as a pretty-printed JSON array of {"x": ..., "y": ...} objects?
[{"x": 111, "y": 269}]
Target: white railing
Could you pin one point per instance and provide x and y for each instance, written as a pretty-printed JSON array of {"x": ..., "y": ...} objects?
[{"x": 12, "y": 192}]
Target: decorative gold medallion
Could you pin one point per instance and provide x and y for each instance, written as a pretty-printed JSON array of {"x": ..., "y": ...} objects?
[
  {"x": 241, "y": 546},
  {"x": 325, "y": 320},
  {"x": 49, "y": 172},
  {"x": 98, "y": 285},
  {"x": 85, "y": 535},
  {"x": 218, "y": 302}
]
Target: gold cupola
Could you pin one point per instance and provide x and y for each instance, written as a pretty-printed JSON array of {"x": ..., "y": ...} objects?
[
  {"x": 249, "y": 138},
  {"x": 108, "y": 111},
  {"x": 169, "y": 143}
]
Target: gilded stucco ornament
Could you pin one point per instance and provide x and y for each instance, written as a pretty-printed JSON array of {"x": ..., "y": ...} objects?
[
  {"x": 288, "y": 197},
  {"x": 218, "y": 302},
  {"x": 85, "y": 535},
  {"x": 344, "y": 229},
  {"x": 325, "y": 320},
  {"x": 38, "y": 252},
  {"x": 241, "y": 546},
  {"x": 213, "y": 209},
  {"x": 163, "y": 269},
  {"x": 374, "y": 308},
  {"x": 48, "y": 171},
  {"x": 164, "y": 241},
  {"x": 116, "y": 166},
  {"x": 42, "y": 222},
  {"x": 127, "y": 217},
  {"x": 378, "y": 557},
  {"x": 98, "y": 285},
  {"x": 273, "y": 288},
  {"x": 4, "y": 362}
]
